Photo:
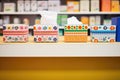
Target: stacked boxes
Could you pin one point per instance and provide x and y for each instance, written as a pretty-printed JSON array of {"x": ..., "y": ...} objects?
[
  {"x": 45, "y": 33},
  {"x": 103, "y": 33},
  {"x": 75, "y": 33},
  {"x": 15, "y": 33}
]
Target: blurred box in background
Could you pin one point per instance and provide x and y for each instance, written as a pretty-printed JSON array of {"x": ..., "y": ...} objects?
[
  {"x": 115, "y": 7},
  {"x": 42, "y": 5},
  {"x": 85, "y": 20},
  {"x": 9, "y": 7},
  {"x": 20, "y": 6},
  {"x": 105, "y": 5},
  {"x": 63, "y": 8},
  {"x": 73, "y": 6},
  {"x": 27, "y": 5},
  {"x": 84, "y": 6},
  {"x": 33, "y": 5},
  {"x": 95, "y": 6}
]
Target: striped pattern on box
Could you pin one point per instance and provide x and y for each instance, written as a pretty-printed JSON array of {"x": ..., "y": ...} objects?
[
  {"x": 45, "y": 33},
  {"x": 103, "y": 33},
  {"x": 75, "y": 33},
  {"x": 15, "y": 33}
]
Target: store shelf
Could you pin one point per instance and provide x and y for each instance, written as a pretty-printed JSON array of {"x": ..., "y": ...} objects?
[
  {"x": 60, "y": 49},
  {"x": 77, "y": 13}
]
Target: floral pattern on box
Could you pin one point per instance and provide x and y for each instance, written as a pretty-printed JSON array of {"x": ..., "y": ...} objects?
[
  {"x": 45, "y": 33},
  {"x": 15, "y": 33},
  {"x": 103, "y": 33}
]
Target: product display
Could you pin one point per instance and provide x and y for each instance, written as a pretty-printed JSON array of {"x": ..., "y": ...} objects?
[
  {"x": 6, "y": 19},
  {"x": 103, "y": 33},
  {"x": 9, "y": 7},
  {"x": 84, "y": 6},
  {"x": 116, "y": 21},
  {"x": 20, "y": 6},
  {"x": 95, "y": 6},
  {"x": 115, "y": 6},
  {"x": 54, "y": 5},
  {"x": 27, "y": 5},
  {"x": 33, "y": 5},
  {"x": 42, "y": 5},
  {"x": 16, "y": 20},
  {"x": 63, "y": 8},
  {"x": 85, "y": 20},
  {"x": 45, "y": 33},
  {"x": 107, "y": 22},
  {"x": 98, "y": 20},
  {"x": 92, "y": 20},
  {"x": 73, "y": 6},
  {"x": 105, "y": 5},
  {"x": 15, "y": 33},
  {"x": 76, "y": 33}
]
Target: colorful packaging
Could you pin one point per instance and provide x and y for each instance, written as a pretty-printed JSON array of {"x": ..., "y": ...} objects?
[
  {"x": 73, "y": 6},
  {"x": 103, "y": 33},
  {"x": 116, "y": 21},
  {"x": 106, "y": 5},
  {"x": 115, "y": 7},
  {"x": 85, "y": 20},
  {"x": 45, "y": 33},
  {"x": 76, "y": 33},
  {"x": 15, "y": 33}
]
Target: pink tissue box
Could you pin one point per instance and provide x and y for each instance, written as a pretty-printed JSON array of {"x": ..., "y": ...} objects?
[{"x": 15, "y": 33}]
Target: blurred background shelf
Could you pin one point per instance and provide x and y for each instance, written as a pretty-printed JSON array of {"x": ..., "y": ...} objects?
[{"x": 78, "y": 13}]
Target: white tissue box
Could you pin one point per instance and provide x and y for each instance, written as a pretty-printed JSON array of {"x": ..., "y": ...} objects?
[
  {"x": 45, "y": 33},
  {"x": 54, "y": 5},
  {"x": 20, "y": 6},
  {"x": 9, "y": 7},
  {"x": 15, "y": 33},
  {"x": 33, "y": 5},
  {"x": 27, "y": 5},
  {"x": 42, "y": 5},
  {"x": 103, "y": 33}
]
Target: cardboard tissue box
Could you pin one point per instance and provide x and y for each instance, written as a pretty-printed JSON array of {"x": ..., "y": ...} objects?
[
  {"x": 47, "y": 31},
  {"x": 103, "y": 33},
  {"x": 15, "y": 33},
  {"x": 75, "y": 32}
]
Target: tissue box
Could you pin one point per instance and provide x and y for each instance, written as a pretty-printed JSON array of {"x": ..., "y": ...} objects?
[
  {"x": 45, "y": 33},
  {"x": 76, "y": 33},
  {"x": 15, "y": 33},
  {"x": 103, "y": 33}
]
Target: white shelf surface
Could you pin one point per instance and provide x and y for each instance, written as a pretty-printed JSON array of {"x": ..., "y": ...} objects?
[
  {"x": 60, "y": 49},
  {"x": 78, "y": 13}
]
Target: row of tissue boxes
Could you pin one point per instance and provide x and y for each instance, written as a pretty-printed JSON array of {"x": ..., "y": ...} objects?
[
  {"x": 49, "y": 33},
  {"x": 103, "y": 33},
  {"x": 76, "y": 33},
  {"x": 15, "y": 33}
]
